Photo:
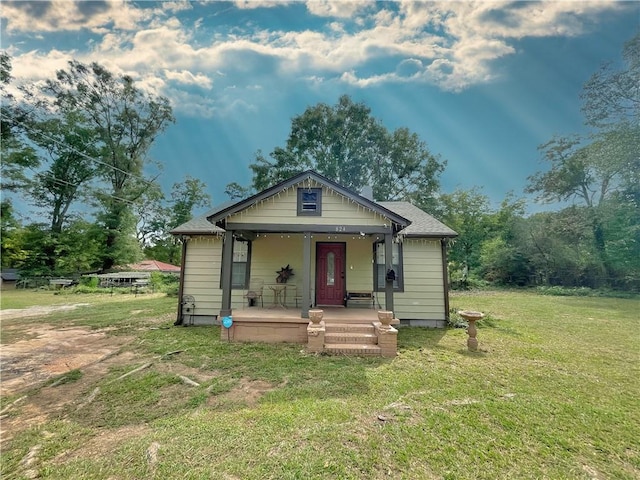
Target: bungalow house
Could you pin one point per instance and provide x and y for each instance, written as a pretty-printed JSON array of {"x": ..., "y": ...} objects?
[{"x": 265, "y": 262}]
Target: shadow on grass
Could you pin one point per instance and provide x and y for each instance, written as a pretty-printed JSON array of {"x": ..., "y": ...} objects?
[{"x": 417, "y": 338}]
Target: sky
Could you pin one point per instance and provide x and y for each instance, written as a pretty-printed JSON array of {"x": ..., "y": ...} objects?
[{"x": 483, "y": 84}]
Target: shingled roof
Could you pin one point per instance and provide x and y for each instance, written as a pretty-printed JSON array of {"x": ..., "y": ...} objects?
[
  {"x": 422, "y": 224},
  {"x": 200, "y": 225}
]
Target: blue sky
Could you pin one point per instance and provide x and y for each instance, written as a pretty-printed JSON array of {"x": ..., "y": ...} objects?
[{"x": 482, "y": 83}]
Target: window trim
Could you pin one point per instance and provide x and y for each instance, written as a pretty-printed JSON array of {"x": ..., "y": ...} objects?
[
  {"x": 247, "y": 275},
  {"x": 309, "y": 213},
  {"x": 399, "y": 272}
]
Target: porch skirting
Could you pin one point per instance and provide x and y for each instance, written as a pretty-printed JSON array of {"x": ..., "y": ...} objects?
[
  {"x": 274, "y": 325},
  {"x": 268, "y": 330}
]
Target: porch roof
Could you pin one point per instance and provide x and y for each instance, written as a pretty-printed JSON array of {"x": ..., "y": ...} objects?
[{"x": 200, "y": 225}]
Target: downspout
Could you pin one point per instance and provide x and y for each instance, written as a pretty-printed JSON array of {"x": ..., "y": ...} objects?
[
  {"x": 181, "y": 284},
  {"x": 445, "y": 277}
]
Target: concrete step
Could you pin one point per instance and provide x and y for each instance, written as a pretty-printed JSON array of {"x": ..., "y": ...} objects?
[
  {"x": 349, "y": 327},
  {"x": 352, "y": 349},
  {"x": 351, "y": 337}
]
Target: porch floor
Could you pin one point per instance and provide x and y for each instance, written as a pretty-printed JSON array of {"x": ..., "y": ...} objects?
[{"x": 292, "y": 315}]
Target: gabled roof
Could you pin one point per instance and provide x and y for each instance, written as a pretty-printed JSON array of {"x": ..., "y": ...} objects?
[
  {"x": 301, "y": 177},
  {"x": 416, "y": 222},
  {"x": 422, "y": 224}
]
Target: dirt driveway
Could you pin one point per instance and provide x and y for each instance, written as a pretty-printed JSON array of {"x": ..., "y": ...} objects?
[{"x": 46, "y": 353}]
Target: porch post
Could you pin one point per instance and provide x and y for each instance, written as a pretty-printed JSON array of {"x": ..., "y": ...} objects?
[
  {"x": 388, "y": 260},
  {"x": 227, "y": 263},
  {"x": 306, "y": 275},
  {"x": 183, "y": 262}
]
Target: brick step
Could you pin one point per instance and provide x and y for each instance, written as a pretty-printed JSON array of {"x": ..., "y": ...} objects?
[
  {"x": 352, "y": 349},
  {"x": 351, "y": 337},
  {"x": 349, "y": 327}
]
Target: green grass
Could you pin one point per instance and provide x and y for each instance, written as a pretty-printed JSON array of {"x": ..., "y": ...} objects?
[{"x": 552, "y": 393}]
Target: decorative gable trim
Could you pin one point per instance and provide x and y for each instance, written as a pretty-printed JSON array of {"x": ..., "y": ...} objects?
[{"x": 219, "y": 218}]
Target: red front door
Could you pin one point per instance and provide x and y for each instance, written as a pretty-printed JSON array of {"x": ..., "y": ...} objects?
[{"x": 330, "y": 267}]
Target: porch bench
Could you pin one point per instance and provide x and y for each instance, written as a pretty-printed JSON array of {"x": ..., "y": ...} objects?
[{"x": 357, "y": 298}]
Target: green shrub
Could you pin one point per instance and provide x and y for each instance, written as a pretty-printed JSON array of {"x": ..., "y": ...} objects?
[
  {"x": 89, "y": 282},
  {"x": 165, "y": 282},
  {"x": 559, "y": 291}
]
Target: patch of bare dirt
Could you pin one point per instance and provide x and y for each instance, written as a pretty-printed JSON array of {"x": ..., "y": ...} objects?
[
  {"x": 37, "y": 310},
  {"x": 247, "y": 392},
  {"x": 45, "y": 352},
  {"x": 51, "y": 352},
  {"x": 53, "y": 401}
]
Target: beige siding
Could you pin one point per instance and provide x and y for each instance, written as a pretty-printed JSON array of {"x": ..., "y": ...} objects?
[
  {"x": 272, "y": 252},
  {"x": 202, "y": 275},
  {"x": 359, "y": 264},
  {"x": 423, "y": 296},
  {"x": 282, "y": 208}
]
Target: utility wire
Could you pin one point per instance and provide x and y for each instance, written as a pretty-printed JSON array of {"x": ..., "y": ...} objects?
[
  {"x": 85, "y": 187},
  {"x": 82, "y": 154}
]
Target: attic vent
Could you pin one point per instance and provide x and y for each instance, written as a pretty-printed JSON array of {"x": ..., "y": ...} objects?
[{"x": 310, "y": 201}]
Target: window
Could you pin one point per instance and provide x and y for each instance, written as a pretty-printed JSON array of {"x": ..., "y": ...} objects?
[
  {"x": 241, "y": 262},
  {"x": 310, "y": 201},
  {"x": 380, "y": 267}
]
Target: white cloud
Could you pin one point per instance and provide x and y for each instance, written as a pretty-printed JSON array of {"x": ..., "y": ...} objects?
[
  {"x": 452, "y": 45},
  {"x": 187, "y": 78},
  {"x": 176, "y": 6},
  {"x": 252, "y": 4},
  {"x": 62, "y": 15},
  {"x": 337, "y": 8}
]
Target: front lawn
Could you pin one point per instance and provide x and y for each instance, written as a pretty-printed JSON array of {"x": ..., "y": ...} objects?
[{"x": 552, "y": 393}]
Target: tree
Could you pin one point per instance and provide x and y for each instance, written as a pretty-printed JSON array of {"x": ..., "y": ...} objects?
[
  {"x": 70, "y": 146},
  {"x": 612, "y": 97},
  {"x": 347, "y": 145},
  {"x": 185, "y": 196},
  {"x": 152, "y": 216},
  {"x": 17, "y": 156},
  {"x": 126, "y": 121},
  {"x": 468, "y": 213},
  {"x": 158, "y": 219},
  {"x": 606, "y": 165},
  {"x": 236, "y": 191},
  {"x": 12, "y": 252}
]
